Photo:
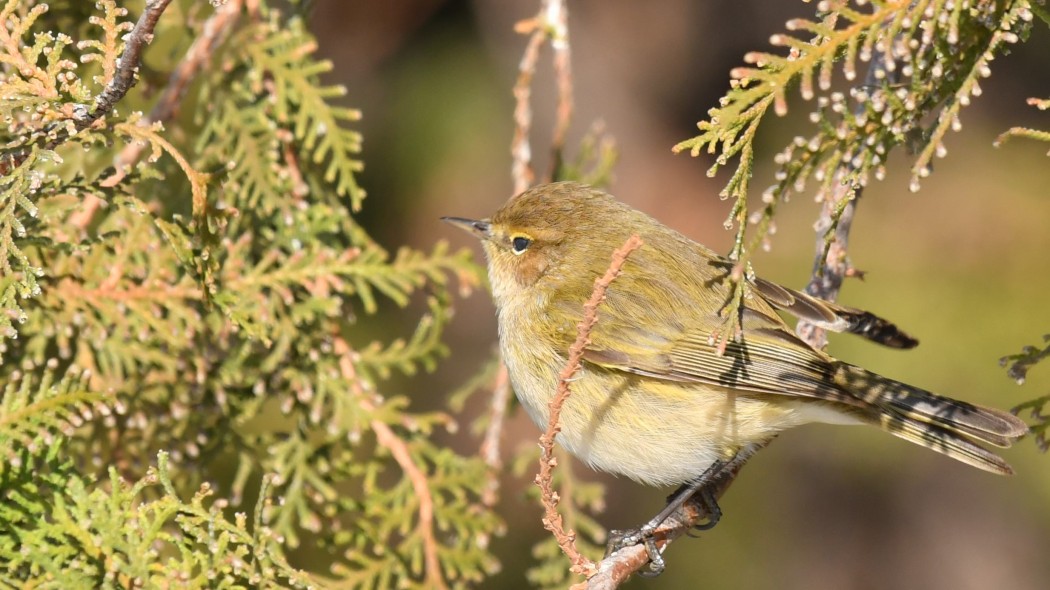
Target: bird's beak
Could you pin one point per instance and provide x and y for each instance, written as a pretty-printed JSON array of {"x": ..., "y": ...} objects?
[{"x": 480, "y": 228}]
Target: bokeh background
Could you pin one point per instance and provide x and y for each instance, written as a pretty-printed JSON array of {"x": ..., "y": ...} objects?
[{"x": 963, "y": 265}]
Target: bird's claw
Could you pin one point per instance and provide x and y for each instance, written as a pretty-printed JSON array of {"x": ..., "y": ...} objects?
[
  {"x": 643, "y": 536},
  {"x": 714, "y": 513}
]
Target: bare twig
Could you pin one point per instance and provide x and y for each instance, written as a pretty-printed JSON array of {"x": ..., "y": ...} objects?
[
  {"x": 613, "y": 570},
  {"x": 550, "y": 24},
  {"x": 520, "y": 150},
  {"x": 832, "y": 265},
  {"x": 390, "y": 441},
  {"x": 123, "y": 79},
  {"x": 552, "y": 520},
  {"x": 490, "y": 444},
  {"x": 558, "y": 19},
  {"x": 213, "y": 33},
  {"x": 128, "y": 64}
]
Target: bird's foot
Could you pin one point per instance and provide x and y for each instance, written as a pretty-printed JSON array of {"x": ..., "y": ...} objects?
[
  {"x": 643, "y": 536},
  {"x": 706, "y": 498},
  {"x": 646, "y": 535}
]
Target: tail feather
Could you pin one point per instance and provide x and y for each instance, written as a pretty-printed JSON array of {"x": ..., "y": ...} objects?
[
  {"x": 945, "y": 442},
  {"x": 986, "y": 424},
  {"x": 943, "y": 424}
]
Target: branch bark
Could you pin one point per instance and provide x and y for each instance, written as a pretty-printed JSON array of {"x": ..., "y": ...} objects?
[
  {"x": 831, "y": 265},
  {"x": 550, "y": 24},
  {"x": 123, "y": 79},
  {"x": 213, "y": 33},
  {"x": 127, "y": 65},
  {"x": 490, "y": 444}
]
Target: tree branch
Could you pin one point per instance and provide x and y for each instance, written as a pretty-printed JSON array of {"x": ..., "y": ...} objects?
[
  {"x": 558, "y": 21},
  {"x": 831, "y": 265},
  {"x": 521, "y": 152},
  {"x": 490, "y": 444},
  {"x": 213, "y": 33},
  {"x": 398, "y": 448},
  {"x": 552, "y": 520},
  {"x": 123, "y": 79},
  {"x": 127, "y": 65},
  {"x": 550, "y": 24}
]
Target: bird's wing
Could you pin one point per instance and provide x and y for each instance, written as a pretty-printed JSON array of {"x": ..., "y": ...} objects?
[
  {"x": 832, "y": 316},
  {"x": 654, "y": 326},
  {"x": 769, "y": 359},
  {"x": 660, "y": 315}
]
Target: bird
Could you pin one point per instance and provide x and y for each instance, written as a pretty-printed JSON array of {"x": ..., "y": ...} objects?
[{"x": 656, "y": 398}]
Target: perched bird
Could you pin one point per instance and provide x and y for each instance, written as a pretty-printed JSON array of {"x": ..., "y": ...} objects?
[{"x": 655, "y": 400}]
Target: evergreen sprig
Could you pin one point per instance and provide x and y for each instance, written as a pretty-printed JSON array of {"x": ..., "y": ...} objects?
[
  {"x": 1026, "y": 132},
  {"x": 218, "y": 311},
  {"x": 926, "y": 58}
]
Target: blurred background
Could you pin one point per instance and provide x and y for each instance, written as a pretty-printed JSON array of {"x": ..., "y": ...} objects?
[{"x": 963, "y": 265}]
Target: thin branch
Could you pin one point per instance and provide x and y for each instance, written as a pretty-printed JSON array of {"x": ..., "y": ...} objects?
[
  {"x": 558, "y": 20},
  {"x": 398, "y": 448},
  {"x": 520, "y": 150},
  {"x": 831, "y": 265},
  {"x": 490, "y": 444},
  {"x": 550, "y": 24},
  {"x": 552, "y": 520},
  {"x": 213, "y": 33},
  {"x": 128, "y": 64},
  {"x": 123, "y": 79}
]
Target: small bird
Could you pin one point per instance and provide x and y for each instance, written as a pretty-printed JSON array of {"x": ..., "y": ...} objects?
[{"x": 655, "y": 399}]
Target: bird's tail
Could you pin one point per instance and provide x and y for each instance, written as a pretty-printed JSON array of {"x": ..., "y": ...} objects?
[{"x": 948, "y": 426}]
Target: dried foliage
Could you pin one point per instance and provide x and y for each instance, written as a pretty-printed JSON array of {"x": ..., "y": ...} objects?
[{"x": 202, "y": 301}]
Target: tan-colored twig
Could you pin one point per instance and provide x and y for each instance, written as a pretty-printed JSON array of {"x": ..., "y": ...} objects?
[
  {"x": 550, "y": 24},
  {"x": 490, "y": 444},
  {"x": 552, "y": 520},
  {"x": 213, "y": 33},
  {"x": 520, "y": 149},
  {"x": 558, "y": 21},
  {"x": 389, "y": 440}
]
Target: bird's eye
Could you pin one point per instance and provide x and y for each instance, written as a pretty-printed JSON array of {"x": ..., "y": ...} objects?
[{"x": 519, "y": 244}]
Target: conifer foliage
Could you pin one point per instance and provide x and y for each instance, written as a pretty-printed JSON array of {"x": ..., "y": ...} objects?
[{"x": 185, "y": 397}]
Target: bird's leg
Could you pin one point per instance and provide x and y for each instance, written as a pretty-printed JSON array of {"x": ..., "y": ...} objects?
[
  {"x": 703, "y": 488},
  {"x": 644, "y": 535}
]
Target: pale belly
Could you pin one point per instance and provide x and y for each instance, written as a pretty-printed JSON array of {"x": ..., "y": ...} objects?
[{"x": 658, "y": 433}]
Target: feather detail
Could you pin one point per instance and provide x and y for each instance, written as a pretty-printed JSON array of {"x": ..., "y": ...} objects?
[{"x": 834, "y": 317}]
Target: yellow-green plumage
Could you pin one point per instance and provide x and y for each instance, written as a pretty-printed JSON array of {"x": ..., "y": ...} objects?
[{"x": 654, "y": 400}]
